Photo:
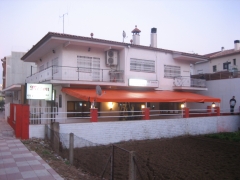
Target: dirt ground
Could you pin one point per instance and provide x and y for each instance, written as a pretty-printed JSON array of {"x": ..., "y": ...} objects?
[{"x": 195, "y": 157}]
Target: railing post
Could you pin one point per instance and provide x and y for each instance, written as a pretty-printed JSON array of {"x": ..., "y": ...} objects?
[
  {"x": 186, "y": 112},
  {"x": 146, "y": 114},
  {"x": 71, "y": 148},
  {"x": 46, "y": 132},
  {"x": 94, "y": 115},
  {"x": 132, "y": 166}
]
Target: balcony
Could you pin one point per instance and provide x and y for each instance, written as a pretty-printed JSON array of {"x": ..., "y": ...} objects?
[
  {"x": 188, "y": 83},
  {"x": 66, "y": 73}
]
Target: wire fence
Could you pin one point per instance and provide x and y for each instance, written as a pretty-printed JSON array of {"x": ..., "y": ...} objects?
[{"x": 106, "y": 161}]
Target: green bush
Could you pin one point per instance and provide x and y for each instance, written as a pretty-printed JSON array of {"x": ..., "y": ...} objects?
[{"x": 229, "y": 136}]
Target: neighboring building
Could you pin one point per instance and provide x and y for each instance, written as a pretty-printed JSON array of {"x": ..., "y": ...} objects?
[
  {"x": 70, "y": 62},
  {"x": 221, "y": 70},
  {"x": 15, "y": 72},
  {"x": 224, "y": 60}
]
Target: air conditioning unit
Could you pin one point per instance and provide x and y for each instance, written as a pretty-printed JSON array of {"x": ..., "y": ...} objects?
[{"x": 111, "y": 57}]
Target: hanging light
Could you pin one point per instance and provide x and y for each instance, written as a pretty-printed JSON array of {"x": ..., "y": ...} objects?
[
  {"x": 213, "y": 105},
  {"x": 183, "y": 105}
]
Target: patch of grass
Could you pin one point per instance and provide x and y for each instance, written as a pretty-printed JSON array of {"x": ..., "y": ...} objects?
[
  {"x": 229, "y": 136},
  {"x": 45, "y": 152}
]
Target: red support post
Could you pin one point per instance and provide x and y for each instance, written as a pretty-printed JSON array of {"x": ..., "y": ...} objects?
[
  {"x": 209, "y": 110},
  {"x": 18, "y": 120},
  {"x": 25, "y": 121},
  {"x": 94, "y": 115},
  {"x": 146, "y": 112},
  {"x": 186, "y": 112},
  {"x": 217, "y": 110}
]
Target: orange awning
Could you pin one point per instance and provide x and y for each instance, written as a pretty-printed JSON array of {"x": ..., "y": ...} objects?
[{"x": 109, "y": 95}]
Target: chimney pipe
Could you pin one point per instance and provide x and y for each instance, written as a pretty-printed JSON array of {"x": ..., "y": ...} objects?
[
  {"x": 236, "y": 45},
  {"x": 222, "y": 48},
  {"x": 153, "y": 37}
]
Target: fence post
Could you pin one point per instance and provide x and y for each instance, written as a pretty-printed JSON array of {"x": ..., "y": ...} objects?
[
  {"x": 55, "y": 136},
  {"x": 186, "y": 112},
  {"x": 94, "y": 115},
  {"x": 146, "y": 113},
  {"x": 46, "y": 132},
  {"x": 17, "y": 117},
  {"x": 132, "y": 166},
  {"x": 71, "y": 148}
]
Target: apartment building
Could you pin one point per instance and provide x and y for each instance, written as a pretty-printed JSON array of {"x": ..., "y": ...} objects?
[{"x": 88, "y": 72}]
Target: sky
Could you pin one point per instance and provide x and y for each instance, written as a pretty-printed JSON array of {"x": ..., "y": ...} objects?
[{"x": 192, "y": 26}]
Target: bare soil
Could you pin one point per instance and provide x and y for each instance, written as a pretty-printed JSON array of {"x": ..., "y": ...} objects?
[{"x": 188, "y": 157}]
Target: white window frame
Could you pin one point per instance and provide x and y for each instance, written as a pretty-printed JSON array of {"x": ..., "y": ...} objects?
[{"x": 141, "y": 65}]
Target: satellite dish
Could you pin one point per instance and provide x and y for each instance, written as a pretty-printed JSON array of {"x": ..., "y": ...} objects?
[{"x": 98, "y": 90}]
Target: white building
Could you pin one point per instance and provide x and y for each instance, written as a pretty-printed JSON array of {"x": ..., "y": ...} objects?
[
  {"x": 70, "y": 62},
  {"x": 15, "y": 72}
]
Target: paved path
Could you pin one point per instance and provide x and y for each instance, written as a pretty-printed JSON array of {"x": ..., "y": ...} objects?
[{"x": 17, "y": 162}]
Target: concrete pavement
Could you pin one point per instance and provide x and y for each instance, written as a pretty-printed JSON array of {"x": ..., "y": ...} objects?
[{"x": 17, "y": 162}]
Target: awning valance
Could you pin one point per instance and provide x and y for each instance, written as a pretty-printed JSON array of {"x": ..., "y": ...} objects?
[{"x": 109, "y": 95}]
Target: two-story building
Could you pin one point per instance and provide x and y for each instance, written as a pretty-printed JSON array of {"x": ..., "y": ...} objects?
[{"x": 87, "y": 72}]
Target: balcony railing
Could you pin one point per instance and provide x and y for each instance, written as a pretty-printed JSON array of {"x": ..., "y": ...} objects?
[
  {"x": 187, "y": 81},
  {"x": 76, "y": 74},
  {"x": 218, "y": 75}
]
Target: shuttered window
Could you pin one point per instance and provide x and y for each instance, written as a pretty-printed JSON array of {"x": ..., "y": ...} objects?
[
  {"x": 172, "y": 71},
  {"x": 141, "y": 65},
  {"x": 89, "y": 65}
]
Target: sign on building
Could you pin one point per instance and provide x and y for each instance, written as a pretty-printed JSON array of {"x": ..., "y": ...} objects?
[{"x": 39, "y": 91}]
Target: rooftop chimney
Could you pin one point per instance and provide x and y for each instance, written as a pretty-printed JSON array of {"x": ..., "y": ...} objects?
[
  {"x": 222, "y": 49},
  {"x": 136, "y": 36},
  {"x": 236, "y": 45},
  {"x": 153, "y": 37}
]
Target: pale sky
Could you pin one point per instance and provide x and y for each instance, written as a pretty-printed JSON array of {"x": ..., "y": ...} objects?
[{"x": 192, "y": 26}]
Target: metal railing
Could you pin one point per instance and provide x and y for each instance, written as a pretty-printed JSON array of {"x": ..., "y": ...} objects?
[
  {"x": 76, "y": 74},
  {"x": 187, "y": 81}
]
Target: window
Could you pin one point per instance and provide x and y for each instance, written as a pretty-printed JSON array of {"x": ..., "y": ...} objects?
[
  {"x": 141, "y": 65},
  {"x": 172, "y": 71},
  {"x": 225, "y": 65},
  {"x": 234, "y": 61},
  {"x": 84, "y": 64},
  {"x": 214, "y": 68},
  {"x": 55, "y": 65}
]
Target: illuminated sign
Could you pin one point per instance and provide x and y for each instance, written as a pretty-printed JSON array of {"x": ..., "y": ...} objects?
[
  {"x": 142, "y": 83},
  {"x": 39, "y": 91}
]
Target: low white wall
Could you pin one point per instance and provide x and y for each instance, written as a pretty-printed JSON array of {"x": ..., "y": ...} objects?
[{"x": 113, "y": 132}]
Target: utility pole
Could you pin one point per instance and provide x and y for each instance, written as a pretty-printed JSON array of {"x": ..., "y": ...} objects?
[{"x": 63, "y": 20}]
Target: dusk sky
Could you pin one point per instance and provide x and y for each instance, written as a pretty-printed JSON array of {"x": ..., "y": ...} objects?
[{"x": 192, "y": 26}]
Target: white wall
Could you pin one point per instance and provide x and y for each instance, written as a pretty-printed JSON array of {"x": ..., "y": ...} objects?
[
  {"x": 113, "y": 132},
  {"x": 223, "y": 89}
]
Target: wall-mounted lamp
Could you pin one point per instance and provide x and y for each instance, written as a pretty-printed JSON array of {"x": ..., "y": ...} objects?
[
  {"x": 183, "y": 105},
  {"x": 110, "y": 105},
  {"x": 213, "y": 105},
  {"x": 53, "y": 51},
  {"x": 153, "y": 107},
  {"x": 142, "y": 106},
  {"x": 89, "y": 49}
]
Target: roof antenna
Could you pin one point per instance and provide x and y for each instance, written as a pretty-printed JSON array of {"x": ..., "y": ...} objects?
[
  {"x": 124, "y": 35},
  {"x": 63, "y": 20}
]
